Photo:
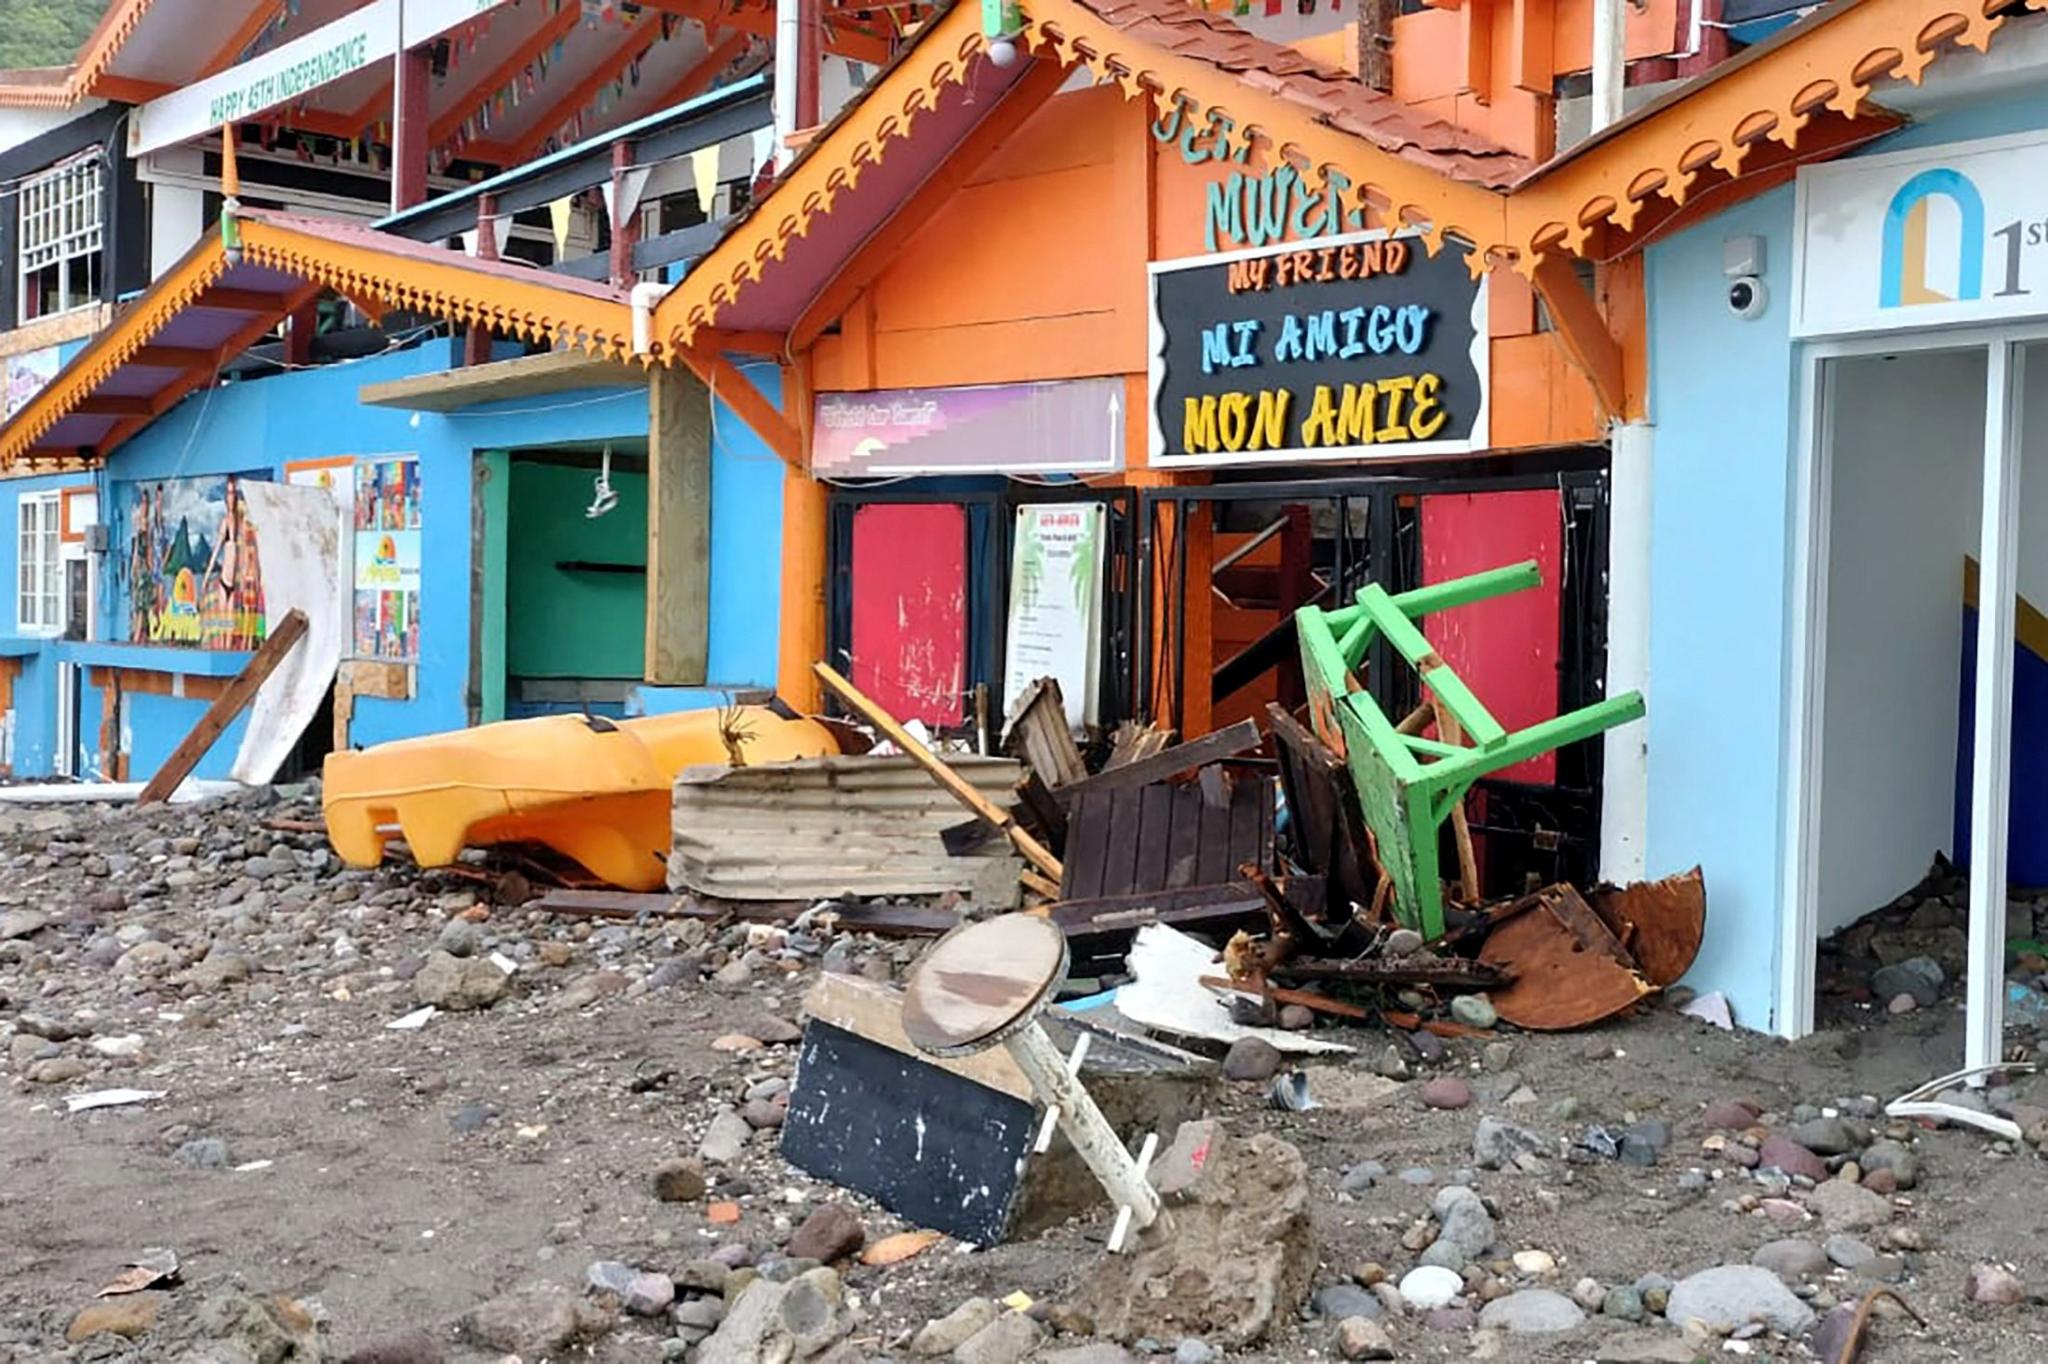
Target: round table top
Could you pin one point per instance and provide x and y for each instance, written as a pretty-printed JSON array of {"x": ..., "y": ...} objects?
[{"x": 982, "y": 982}]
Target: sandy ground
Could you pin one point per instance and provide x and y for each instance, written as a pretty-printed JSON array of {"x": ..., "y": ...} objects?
[{"x": 402, "y": 1177}]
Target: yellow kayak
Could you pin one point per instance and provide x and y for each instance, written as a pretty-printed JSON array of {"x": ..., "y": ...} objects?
[{"x": 597, "y": 790}]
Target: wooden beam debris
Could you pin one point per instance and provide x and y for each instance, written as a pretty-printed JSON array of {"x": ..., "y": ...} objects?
[{"x": 225, "y": 708}]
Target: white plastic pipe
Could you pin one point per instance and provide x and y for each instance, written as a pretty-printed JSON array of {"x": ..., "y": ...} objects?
[
  {"x": 1609, "y": 61},
  {"x": 788, "y": 25},
  {"x": 645, "y": 295}
]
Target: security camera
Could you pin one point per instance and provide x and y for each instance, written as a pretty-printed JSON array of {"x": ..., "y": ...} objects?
[{"x": 1747, "y": 297}]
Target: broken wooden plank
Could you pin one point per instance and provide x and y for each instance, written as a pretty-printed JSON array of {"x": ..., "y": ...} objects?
[
  {"x": 889, "y": 921},
  {"x": 1307, "y": 999},
  {"x": 1241, "y": 737},
  {"x": 1329, "y": 832},
  {"x": 1037, "y": 733},
  {"x": 1033, "y": 851},
  {"x": 1444, "y": 973},
  {"x": 230, "y": 703}
]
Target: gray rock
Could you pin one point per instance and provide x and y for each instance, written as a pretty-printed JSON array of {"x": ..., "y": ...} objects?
[
  {"x": 457, "y": 985},
  {"x": 609, "y": 1276},
  {"x": 1531, "y": 1311},
  {"x": 950, "y": 1332},
  {"x": 1466, "y": 1227},
  {"x": 1501, "y": 1145},
  {"x": 203, "y": 1153},
  {"x": 1646, "y": 1350},
  {"x": 1994, "y": 1285},
  {"x": 1830, "y": 1136},
  {"x": 1920, "y": 977},
  {"x": 1008, "y": 1339},
  {"x": 1729, "y": 1297},
  {"x": 1895, "y": 1157},
  {"x": 1191, "y": 1350},
  {"x": 1849, "y": 1253},
  {"x": 1403, "y": 942},
  {"x": 21, "y": 923},
  {"x": 1251, "y": 1058},
  {"x": 1361, "y": 1177},
  {"x": 1095, "y": 1352},
  {"x": 699, "y": 1314},
  {"x": 1474, "y": 1011},
  {"x": 798, "y": 1320},
  {"x": 1622, "y": 1303},
  {"x": 725, "y": 1139},
  {"x": 649, "y": 1295},
  {"x": 1792, "y": 1259},
  {"x": 535, "y": 1322},
  {"x": 1850, "y": 1207},
  {"x": 461, "y": 938},
  {"x": 1336, "y": 1301}
]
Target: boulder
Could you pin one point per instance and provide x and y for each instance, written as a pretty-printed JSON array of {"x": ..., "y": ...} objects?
[
  {"x": 536, "y": 1322},
  {"x": 1531, "y": 1311},
  {"x": 1730, "y": 1297},
  {"x": 459, "y": 985}
]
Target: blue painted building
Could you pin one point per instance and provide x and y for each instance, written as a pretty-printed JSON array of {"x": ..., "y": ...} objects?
[{"x": 1849, "y": 396}]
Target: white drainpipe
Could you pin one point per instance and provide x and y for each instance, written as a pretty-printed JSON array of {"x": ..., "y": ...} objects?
[
  {"x": 645, "y": 296},
  {"x": 1610, "y": 62},
  {"x": 788, "y": 23}
]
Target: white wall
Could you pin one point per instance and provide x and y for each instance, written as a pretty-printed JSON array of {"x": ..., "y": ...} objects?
[
  {"x": 1904, "y": 511},
  {"x": 19, "y": 125}
]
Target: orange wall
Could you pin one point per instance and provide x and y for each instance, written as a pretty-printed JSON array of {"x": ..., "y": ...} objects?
[{"x": 1035, "y": 270}]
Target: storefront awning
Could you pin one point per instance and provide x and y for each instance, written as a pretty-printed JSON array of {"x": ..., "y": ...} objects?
[{"x": 208, "y": 309}]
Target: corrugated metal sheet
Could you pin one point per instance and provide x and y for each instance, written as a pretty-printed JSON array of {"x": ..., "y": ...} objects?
[{"x": 829, "y": 826}]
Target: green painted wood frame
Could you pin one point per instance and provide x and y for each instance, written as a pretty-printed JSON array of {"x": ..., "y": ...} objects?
[{"x": 1408, "y": 784}]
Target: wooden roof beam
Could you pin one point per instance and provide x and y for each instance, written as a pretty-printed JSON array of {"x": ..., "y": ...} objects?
[
  {"x": 722, "y": 54},
  {"x": 245, "y": 33},
  {"x": 737, "y": 392},
  {"x": 559, "y": 25},
  {"x": 1580, "y": 327},
  {"x": 643, "y": 37}
]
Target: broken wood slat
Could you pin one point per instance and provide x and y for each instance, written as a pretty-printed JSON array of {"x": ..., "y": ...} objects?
[
  {"x": 1038, "y": 734},
  {"x": 1439, "y": 1027},
  {"x": 1033, "y": 851},
  {"x": 1241, "y": 737},
  {"x": 1322, "y": 804},
  {"x": 1041, "y": 812},
  {"x": 897, "y": 921},
  {"x": 1133, "y": 741},
  {"x": 1307, "y": 999},
  {"x": 1166, "y": 837},
  {"x": 1446, "y": 973},
  {"x": 225, "y": 708},
  {"x": 1040, "y": 885}
]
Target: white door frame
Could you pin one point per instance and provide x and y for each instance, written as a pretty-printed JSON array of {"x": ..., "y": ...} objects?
[
  {"x": 1991, "y": 770},
  {"x": 69, "y": 675}
]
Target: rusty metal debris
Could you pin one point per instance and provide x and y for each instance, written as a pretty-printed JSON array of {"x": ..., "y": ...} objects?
[
  {"x": 1568, "y": 968},
  {"x": 1659, "y": 923}
]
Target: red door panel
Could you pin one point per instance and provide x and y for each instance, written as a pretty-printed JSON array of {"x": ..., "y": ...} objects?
[{"x": 910, "y": 609}]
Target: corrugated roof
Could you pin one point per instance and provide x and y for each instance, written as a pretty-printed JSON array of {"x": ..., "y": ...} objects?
[{"x": 830, "y": 826}]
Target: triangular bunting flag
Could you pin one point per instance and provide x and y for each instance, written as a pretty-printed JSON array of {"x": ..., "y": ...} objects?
[
  {"x": 561, "y": 213},
  {"x": 704, "y": 171}
]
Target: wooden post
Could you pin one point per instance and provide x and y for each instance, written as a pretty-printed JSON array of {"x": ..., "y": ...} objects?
[
  {"x": 476, "y": 348},
  {"x": 804, "y": 510},
  {"x": 625, "y": 226},
  {"x": 411, "y": 93},
  {"x": 678, "y": 529},
  {"x": 225, "y": 708}
]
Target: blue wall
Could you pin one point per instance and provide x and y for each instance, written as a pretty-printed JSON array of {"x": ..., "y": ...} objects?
[
  {"x": 35, "y": 687},
  {"x": 309, "y": 414},
  {"x": 1723, "y": 397}
]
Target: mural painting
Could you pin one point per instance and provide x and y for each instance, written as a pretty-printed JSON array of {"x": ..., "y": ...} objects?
[
  {"x": 194, "y": 575},
  {"x": 387, "y": 558}
]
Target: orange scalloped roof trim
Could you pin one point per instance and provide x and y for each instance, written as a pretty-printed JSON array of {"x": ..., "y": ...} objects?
[
  {"x": 356, "y": 261},
  {"x": 1828, "y": 64}
]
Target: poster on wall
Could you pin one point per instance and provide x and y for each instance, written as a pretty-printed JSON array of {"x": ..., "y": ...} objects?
[
  {"x": 27, "y": 375},
  {"x": 387, "y": 558},
  {"x": 1355, "y": 347},
  {"x": 194, "y": 573},
  {"x": 300, "y": 549},
  {"x": 1056, "y": 606}
]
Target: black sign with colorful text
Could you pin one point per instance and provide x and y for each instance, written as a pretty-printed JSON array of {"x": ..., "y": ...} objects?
[{"x": 1355, "y": 347}]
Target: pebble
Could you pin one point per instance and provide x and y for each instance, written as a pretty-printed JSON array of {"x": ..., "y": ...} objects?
[
  {"x": 1792, "y": 1259},
  {"x": 1531, "y": 1311},
  {"x": 829, "y": 1233},
  {"x": 1850, "y": 1207},
  {"x": 1008, "y": 1339},
  {"x": 680, "y": 1181},
  {"x": 1849, "y": 1253},
  {"x": 1335, "y": 1302},
  {"x": 1252, "y": 1059},
  {"x": 1893, "y": 1158},
  {"x": 725, "y": 1139},
  {"x": 1428, "y": 1046},
  {"x": 648, "y": 1294},
  {"x": 1191, "y": 1350},
  {"x": 1730, "y": 1115},
  {"x": 1297, "y": 1018},
  {"x": 204, "y": 1153},
  {"x": 1501, "y": 1145},
  {"x": 1782, "y": 1153},
  {"x": 1589, "y": 1293},
  {"x": 1994, "y": 1285},
  {"x": 1446, "y": 1092},
  {"x": 1429, "y": 1287},
  {"x": 1534, "y": 1263},
  {"x": 1474, "y": 1011},
  {"x": 1622, "y": 1303},
  {"x": 1363, "y": 1338}
]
